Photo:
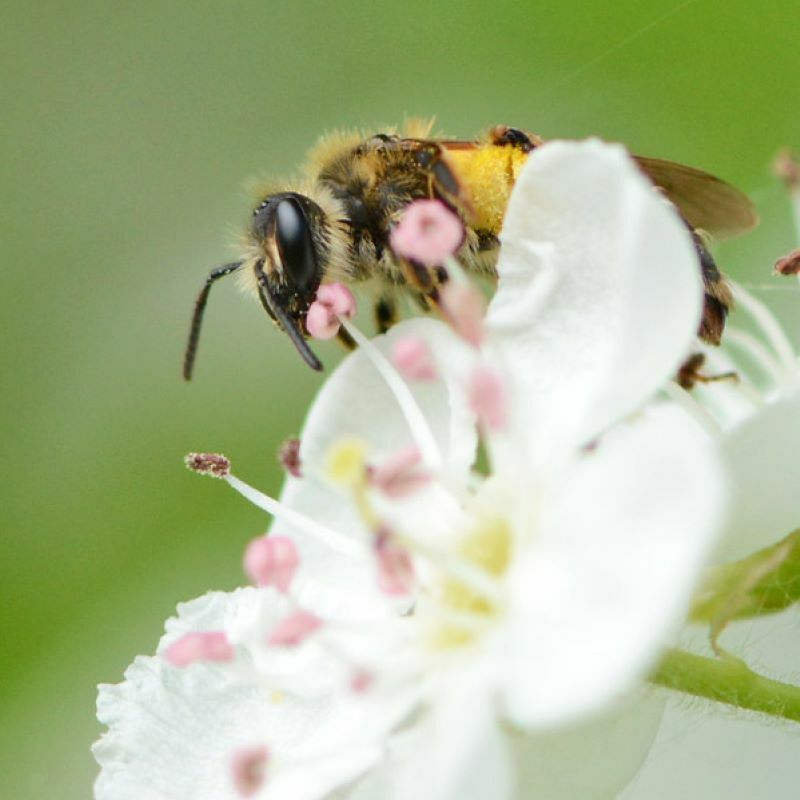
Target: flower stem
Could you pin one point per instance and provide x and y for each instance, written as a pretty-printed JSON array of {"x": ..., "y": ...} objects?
[{"x": 729, "y": 681}]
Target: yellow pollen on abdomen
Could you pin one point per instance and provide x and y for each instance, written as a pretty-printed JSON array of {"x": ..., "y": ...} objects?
[{"x": 489, "y": 173}]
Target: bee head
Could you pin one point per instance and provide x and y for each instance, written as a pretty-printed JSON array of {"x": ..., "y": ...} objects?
[
  {"x": 290, "y": 231},
  {"x": 290, "y": 242}
]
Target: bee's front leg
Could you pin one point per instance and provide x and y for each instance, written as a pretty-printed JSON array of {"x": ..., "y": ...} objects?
[
  {"x": 385, "y": 313},
  {"x": 690, "y": 373}
]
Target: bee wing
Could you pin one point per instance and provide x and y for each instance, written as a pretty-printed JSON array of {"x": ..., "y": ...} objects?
[
  {"x": 445, "y": 144},
  {"x": 459, "y": 144},
  {"x": 705, "y": 201}
]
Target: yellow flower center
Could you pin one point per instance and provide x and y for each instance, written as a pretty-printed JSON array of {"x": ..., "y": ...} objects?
[
  {"x": 460, "y": 606},
  {"x": 488, "y": 546},
  {"x": 346, "y": 462}
]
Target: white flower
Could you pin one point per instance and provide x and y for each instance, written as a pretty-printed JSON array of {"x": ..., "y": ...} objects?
[
  {"x": 179, "y": 732},
  {"x": 756, "y": 420},
  {"x": 762, "y": 455},
  {"x": 754, "y": 413},
  {"x": 539, "y": 596},
  {"x": 589, "y": 557}
]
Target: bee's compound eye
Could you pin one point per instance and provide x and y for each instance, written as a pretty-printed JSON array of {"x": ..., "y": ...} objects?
[{"x": 293, "y": 235}]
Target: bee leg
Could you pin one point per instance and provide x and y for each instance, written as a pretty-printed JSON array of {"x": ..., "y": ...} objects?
[
  {"x": 503, "y": 136},
  {"x": 346, "y": 340},
  {"x": 444, "y": 185},
  {"x": 424, "y": 283},
  {"x": 385, "y": 312},
  {"x": 427, "y": 302},
  {"x": 421, "y": 280},
  {"x": 689, "y": 374},
  {"x": 718, "y": 298},
  {"x": 417, "y": 276}
]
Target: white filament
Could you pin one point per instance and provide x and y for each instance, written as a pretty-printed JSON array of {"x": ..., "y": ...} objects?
[
  {"x": 758, "y": 352},
  {"x": 418, "y": 425},
  {"x": 770, "y": 328},
  {"x": 328, "y": 536},
  {"x": 693, "y": 408}
]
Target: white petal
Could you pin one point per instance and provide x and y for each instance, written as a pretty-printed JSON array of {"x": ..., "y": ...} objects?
[
  {"x": 455, "y": 751},
  {"x": 610, "y": 572},
  {"x": 215, "y": 611},
  {"x": 762, "y": 455},
  {"x": 471, "y": 758},
  {"x": 593, "y": 761},
  {"x": 172, "y": 732},
  {"x": 599, "y": 294},
  {"x": 355, "y": 401}
]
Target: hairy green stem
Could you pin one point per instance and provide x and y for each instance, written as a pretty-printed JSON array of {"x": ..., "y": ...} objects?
[{"x": 729, "y": 681}]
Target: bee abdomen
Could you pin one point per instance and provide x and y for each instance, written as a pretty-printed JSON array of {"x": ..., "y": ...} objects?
[{"x": 718, "y": 298}]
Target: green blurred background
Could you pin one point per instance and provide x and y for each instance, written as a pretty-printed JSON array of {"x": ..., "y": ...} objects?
[{"x": 129, "y": 133}]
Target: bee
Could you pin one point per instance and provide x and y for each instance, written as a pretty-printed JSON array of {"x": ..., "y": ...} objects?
[{"x": 334, "y": 225}]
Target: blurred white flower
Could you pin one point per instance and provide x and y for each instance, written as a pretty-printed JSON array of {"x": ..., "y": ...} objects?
[
  {"x": 756, "y": 419},
  {"x": 754, "y": 415},
  {"x": 484, "y": 635}
]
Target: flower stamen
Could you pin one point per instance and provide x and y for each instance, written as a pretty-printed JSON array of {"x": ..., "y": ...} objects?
[
  {"x": 399, "y": 474},
  {"x": 271, "y": 561},
  {"x": 464, "y": 308},
  {"x": 428, "y": 232},
  {"x": 333, "y": 303},
  {"x": 756, "y": 351},
  {"x": 248, "y": 767},
  {"x": 396, "y": 574},
  {"x": 487, "y": 397},
  {"x": 693, "y": 408},
  {"x": 346, "y": 466},
  {"x": 466, "y": 572},
  {"x": 294, "y": 629},
  {"x": 330, "y": 537},
  {"x": 769, "y": 326},
  {"x": 200, "y": 646},
  {"x": 215, "y": 465},
  {"x": 289, "y": 457},
  {"x": 415, "y": 419},
  {"x": 413, "y": 359}
]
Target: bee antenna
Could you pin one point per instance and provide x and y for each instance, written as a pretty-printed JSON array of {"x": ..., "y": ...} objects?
[
  {"x": 197, "y": 317},
  {"x": 274, "y": 309}
]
